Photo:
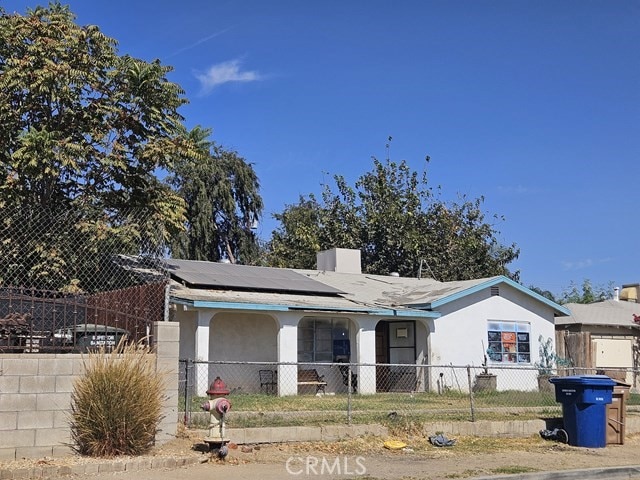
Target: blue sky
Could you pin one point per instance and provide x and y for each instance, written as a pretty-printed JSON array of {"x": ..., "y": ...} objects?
[{"x": 534, "y": 105}]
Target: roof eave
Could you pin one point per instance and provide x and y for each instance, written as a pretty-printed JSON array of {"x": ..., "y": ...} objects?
[
  {"x": 310, "y": 308},
  {"x": 559, "y": 309}
]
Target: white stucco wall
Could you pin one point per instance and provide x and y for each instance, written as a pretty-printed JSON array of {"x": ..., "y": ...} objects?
[
  {"x": 460, "y": 336},
  {"x": 243, "y": 337},
  {"x": 188, "y": 322},
  {"x": 457, "y": 339}
]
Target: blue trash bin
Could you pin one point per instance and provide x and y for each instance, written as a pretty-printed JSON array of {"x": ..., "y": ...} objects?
[{"x": 584, "y": 401}]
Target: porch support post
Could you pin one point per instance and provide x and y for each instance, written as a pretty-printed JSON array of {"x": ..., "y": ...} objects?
[
  {"x": 202, "y": 353},
  {"x": 288, "y": 353},
  {"x": 366, "y": 341}
]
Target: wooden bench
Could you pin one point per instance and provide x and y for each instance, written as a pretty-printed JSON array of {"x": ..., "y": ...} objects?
[{"x": 311, "y": 377}]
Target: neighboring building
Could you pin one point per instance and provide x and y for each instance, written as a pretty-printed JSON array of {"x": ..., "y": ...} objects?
[
  {"x": 256, "y": 314},
  {"x": 614, "y": 330}
]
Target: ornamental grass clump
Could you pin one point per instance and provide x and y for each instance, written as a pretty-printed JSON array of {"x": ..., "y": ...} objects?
[{"x": 116, "y": 405}]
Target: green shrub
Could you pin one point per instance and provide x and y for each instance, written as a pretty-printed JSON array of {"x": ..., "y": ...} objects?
[{"x": 116, "y": 405}]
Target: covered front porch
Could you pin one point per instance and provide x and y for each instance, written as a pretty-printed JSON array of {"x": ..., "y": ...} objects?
[{"x": 275, "y": 345}]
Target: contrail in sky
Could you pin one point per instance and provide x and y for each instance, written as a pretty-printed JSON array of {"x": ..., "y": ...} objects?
[{"x": 195, "y": 44}]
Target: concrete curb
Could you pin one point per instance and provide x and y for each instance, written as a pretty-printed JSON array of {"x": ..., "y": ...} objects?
[
  {"x": 91, "y": 468},
  {"x": 587, "y": 473}
]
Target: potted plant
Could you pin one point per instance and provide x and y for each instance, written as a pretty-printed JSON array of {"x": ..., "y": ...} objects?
[{"x": 485, "y": 381}]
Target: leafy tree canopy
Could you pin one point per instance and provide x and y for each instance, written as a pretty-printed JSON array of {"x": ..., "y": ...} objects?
[
  {"x": 85, "y": 134},
  {"x": 221, "y": 193},
  {"x": 398, "y": 223},
  {"x": 586, "y": 293},
  {"x": 545, "y": 293},
  {"x": 82, "y": 127}
]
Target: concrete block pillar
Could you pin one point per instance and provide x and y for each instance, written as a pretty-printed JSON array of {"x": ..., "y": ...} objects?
[{"x": 167, "y": 349}]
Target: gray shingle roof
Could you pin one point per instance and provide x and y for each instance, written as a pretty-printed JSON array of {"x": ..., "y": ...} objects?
[
  {"x": 328, "y": 290},
  {"x": 609, "y": 312},
  {"x": 388, "y": 290}
]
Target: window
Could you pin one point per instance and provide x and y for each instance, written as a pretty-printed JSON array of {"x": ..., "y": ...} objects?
[
  {"x": 322, "y": 339},
  {"x": 509, "y": 342}
]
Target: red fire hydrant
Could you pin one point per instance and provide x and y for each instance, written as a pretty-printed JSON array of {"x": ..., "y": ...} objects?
[{"x": 217, "y": 406}]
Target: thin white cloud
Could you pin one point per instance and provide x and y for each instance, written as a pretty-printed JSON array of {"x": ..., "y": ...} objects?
[
  {"x": 226, "y": 72},
  {"x": 516, "y": 189},
  {"x": 584, "y": 263}
]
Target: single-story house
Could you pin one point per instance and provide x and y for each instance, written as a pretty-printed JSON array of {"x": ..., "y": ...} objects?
[
  {"x": 614, "y": 333},
  {"x": 336, "y": 313}
]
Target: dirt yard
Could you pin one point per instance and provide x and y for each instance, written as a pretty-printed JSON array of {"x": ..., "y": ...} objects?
[{"x": 367, "y": 458}]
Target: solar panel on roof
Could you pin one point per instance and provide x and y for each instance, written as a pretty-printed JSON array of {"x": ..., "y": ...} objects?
[{"x": 221, "y": 275}]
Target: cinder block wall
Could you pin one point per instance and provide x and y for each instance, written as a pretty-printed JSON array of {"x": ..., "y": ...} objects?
[{"x": 35, "y": 398}]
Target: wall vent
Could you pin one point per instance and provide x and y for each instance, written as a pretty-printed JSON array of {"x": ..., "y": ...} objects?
[{"x": 495, "y": 291}]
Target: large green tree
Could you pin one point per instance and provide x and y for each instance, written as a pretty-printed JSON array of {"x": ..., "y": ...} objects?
[
  {"x": 84, "y": 135},
  {"x": 221, "y": 193},
  {"x": 83, "y": 132},
  {"x": 399, "y": 224}
]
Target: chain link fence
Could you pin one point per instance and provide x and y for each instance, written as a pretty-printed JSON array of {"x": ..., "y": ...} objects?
[
  {"x": 74, "y": 280},
  {"x": 282, "y": 394}
]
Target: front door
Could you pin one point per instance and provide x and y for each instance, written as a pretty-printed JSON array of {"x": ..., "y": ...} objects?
[
  {"x": 382, "y": 356},
  {"x": 396, "y": 351}
]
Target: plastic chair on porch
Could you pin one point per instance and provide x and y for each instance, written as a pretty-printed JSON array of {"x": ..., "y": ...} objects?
[{"x": 267, "y": 381}]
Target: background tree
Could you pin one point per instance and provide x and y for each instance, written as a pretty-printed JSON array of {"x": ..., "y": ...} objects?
[
  {"x": 220, "y": 190},
  {"x": 295, "y": 242},
  {"x": 397, "y": 222},
  {"x": 586, "y": 293},
  {"x": 83, "y": 131},
  {"x": 545, "y": 293}
]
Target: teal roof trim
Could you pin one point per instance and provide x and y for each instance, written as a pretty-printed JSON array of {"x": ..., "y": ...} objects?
[
  {"x": 495, "y": 281},
  {"x": 381, "y": 312},
  {"x": 239, "y": 306},
  {"x": 288, "y": 308}
]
